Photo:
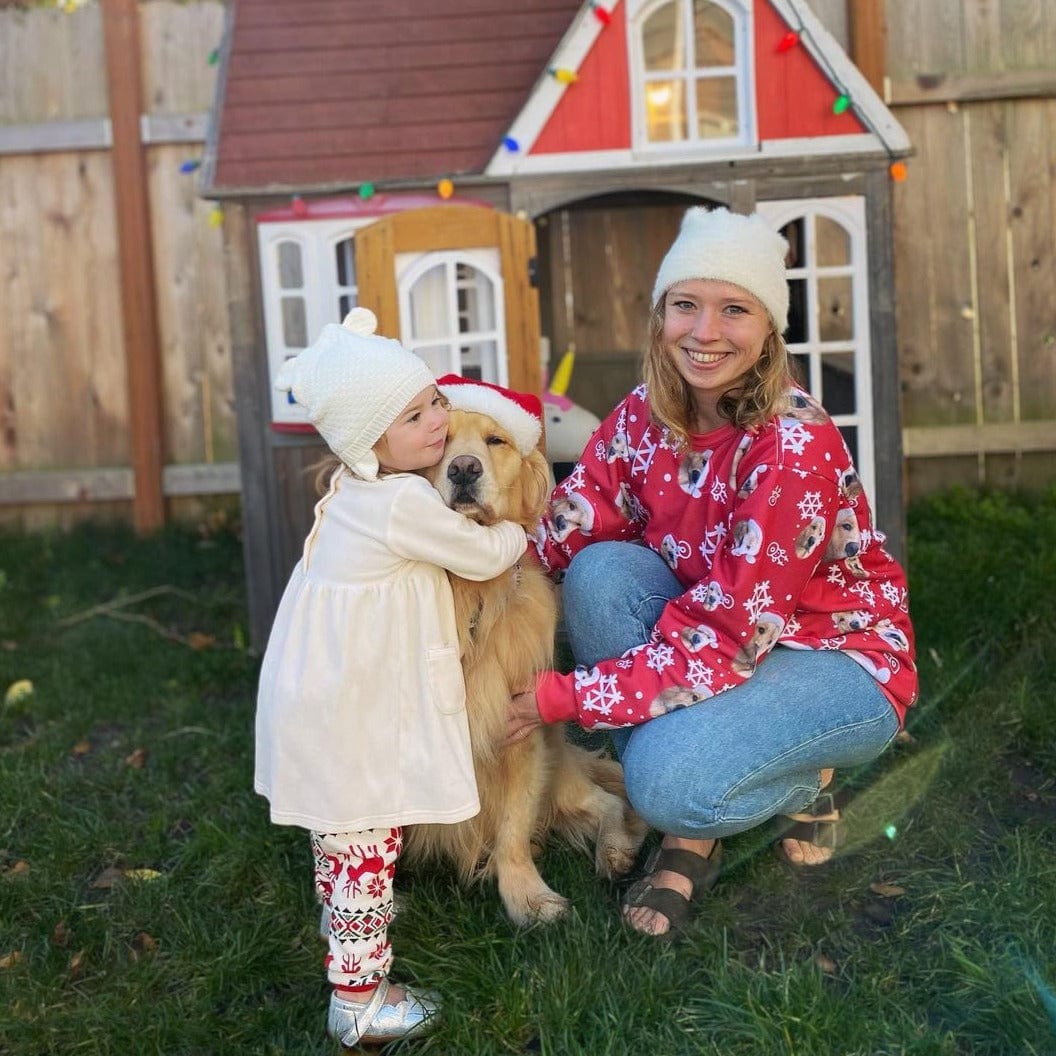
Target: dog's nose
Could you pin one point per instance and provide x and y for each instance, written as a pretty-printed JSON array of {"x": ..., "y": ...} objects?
[{"x": 464, "y": 471}]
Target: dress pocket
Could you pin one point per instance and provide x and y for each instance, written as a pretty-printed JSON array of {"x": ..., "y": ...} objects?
[{"x": 446, "y": 683}]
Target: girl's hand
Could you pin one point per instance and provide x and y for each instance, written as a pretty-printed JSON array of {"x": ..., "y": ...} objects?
[{"x": 522, "y": 716}]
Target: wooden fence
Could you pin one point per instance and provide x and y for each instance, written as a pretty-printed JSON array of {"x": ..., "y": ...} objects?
[{"x": 975, "y": 227}]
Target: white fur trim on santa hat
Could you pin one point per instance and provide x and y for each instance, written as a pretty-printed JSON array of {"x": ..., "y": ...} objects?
[
  {"x": 519, "y": 413},
  {"x": 728, "y": 247}
]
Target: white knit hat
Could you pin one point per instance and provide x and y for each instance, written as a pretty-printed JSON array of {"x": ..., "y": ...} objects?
[
  {"x": 352, "y": 384},
  {"x": 519, "y": 413},
  {"x": 744, "y": 250}
]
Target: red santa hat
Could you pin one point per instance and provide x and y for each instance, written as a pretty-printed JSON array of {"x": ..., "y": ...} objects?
[{"x": 519, "y": 413}]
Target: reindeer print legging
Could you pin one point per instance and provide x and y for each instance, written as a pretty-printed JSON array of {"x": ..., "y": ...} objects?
[{"x": 353, "y": 877}]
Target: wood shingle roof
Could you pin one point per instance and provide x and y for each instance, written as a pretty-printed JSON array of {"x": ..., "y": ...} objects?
[{"x": 323, "y": 94}]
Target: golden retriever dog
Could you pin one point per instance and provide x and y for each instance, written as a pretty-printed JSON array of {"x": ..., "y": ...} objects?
[{"x": 506, "y": 626}]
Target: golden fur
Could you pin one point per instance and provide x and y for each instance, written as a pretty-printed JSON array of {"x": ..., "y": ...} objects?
[{"x": 506, "y": 628}]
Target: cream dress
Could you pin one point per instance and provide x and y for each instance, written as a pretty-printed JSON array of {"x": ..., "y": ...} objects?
[{"x": 361, "y": 710}]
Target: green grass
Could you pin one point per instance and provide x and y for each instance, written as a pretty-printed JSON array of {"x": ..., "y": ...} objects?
[{"x": 218, "y": 953}]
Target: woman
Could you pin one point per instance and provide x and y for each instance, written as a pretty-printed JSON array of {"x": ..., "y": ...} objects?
[{"x": 760, "y": 637}]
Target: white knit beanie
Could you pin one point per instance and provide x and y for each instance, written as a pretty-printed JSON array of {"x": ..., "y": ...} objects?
[
  {"x": 352, "y": 384},
  {"x": 728, "y": 247}
]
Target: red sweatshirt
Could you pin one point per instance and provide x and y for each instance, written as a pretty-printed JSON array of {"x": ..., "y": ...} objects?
[{"x": 769, "y": 533}]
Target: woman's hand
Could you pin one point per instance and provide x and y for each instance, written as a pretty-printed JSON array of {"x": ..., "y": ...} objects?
[{"x": 522, "y": 716}]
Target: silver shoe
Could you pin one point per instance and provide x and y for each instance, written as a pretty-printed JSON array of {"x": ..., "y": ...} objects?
[{"x": 379, "y": 1020}]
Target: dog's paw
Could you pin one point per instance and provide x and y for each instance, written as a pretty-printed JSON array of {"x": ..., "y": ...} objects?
[
  {"x": 615, "y": 859},
  {"x": 544, "y": 907}
]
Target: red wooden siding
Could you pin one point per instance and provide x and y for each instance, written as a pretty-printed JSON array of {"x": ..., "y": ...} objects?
[
  {"x": 793, "y": 97},
  {"x": 595, "y": 112}
]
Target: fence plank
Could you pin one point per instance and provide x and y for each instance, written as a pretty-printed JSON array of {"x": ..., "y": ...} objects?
[{"x": 1033, "y": 229}]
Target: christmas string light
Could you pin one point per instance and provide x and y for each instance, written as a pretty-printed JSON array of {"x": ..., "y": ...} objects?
[
  {"x": 511, "y": 144},
  {"x": 190, "y": 165},
  {"x": 366, "y": 191},
  {"x": 843, "y": 101},
  {"x": 563, "y": 75},
  {"x": 602, "y": 14},
  {"x": 445, "y": 188}
]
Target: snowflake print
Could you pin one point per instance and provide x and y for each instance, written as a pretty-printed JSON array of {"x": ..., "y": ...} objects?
[
  {"x": 834, "y": 644},
  {"x": 777, "y": 554},
  {"x": 394, "y": 841},
  {"x": 699, "y": 593},
  {"x": 604, "y": 697},
  {"x": 376, "y": 887},
  {"x": 810, "y": 505},
  {"x": 575, "y": 480},
  {"x": 774, "y": 496},
  {"x": 759, "y": 600},
  {"x": 640, "y": 391},
  {"x": 792, "y": 628},
  {"x": 699, "y": 674},
  {"x": 865, "y": 592},
  {"x": 660, "y": 657},
  {"x": 713, "y": 538},
  {"x": 666, "y": 441},
  {"x": 599, "y": 451},
  {"x": 794, "y": 437},
  {"x": 718, "y": 490},
  {"x": 892, "y": 595},
  {"x": 836, "y": 578},
  {"x": 643, "y": 456}
]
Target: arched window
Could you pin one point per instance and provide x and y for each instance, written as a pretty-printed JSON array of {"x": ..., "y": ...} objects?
[
  {"x": 692, "y": 72},
  {"x": 828, "y": 318},
  {"x": 451, "y": 313}
]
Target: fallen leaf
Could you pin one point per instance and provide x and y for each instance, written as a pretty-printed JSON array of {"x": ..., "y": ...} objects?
[
  {"x": 8, "y": 645},
  {"x": 198, "y": 640},
  {"x": 826, "y": 964},
  {"x": 61, "y": 934},
  {"x": 142, "y": 874},
  {"x": 887, "y": 890},
  {"x": 107, "y": 878},
  {"x": 18, "y": 692},
  {"x": 81, "y": 748},
  {"x": 905, "y": 737},
  {"x": 144, "y": 942},
  {"x": 20, "y": 868},
  {"x": 136, "y": 759},
  {"x": 9, "y": 960},
  {"x": 76, "y": 965}
]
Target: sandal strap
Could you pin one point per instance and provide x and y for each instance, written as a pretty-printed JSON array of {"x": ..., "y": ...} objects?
[
  {"x": 703, "y": 873},
  {"x": 675, "y": 907},
  {"x": 824, "y": 834}
]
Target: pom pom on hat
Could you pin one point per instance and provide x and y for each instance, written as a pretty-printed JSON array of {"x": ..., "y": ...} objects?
[
  {"x": 728, "y": 247},
  {"x": 519, "y": 413},
  {"x": 353, "y": 384}
]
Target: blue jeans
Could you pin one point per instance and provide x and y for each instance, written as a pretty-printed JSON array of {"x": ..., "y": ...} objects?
[{"x": 733, "y": 761}]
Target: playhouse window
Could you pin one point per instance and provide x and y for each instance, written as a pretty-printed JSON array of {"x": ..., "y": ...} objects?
[
  {"x": 691, "y": 55},
  {"x": 308, "y": 279},
  {"x": 828, "y": 318},
  {"x": 451, "y": 315}
]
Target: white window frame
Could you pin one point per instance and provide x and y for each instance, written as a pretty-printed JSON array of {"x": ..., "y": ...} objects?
[
  {"x": 740, "y": 11},
  {"x": 410, "y": 267},
  {"x": 849, "y": 213},
  {"x": 321, "y": 291}
]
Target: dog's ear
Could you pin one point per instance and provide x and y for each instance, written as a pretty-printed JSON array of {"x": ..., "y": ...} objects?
[{"x": 535, "y": 487}]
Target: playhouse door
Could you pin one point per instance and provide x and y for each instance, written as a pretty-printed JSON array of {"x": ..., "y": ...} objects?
[{"x": 455, "y": 283}]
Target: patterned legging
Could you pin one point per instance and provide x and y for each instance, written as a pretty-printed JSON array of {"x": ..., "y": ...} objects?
[{"x": 353, "y": 877}]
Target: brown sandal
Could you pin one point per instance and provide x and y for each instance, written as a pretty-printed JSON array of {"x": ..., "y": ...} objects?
[
  {"x": 702, "y": 872},
  {"x": 821, "y": 825}
]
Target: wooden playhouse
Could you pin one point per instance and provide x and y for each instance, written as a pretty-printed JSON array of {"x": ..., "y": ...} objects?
[{"x": 498, "y": 183}]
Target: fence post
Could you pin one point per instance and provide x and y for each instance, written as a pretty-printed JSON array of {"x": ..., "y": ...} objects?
[{"x": 138, "y": 297}]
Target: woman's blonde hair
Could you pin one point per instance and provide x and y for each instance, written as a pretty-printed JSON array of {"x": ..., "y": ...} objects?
[{"x": 760, "y": 394}]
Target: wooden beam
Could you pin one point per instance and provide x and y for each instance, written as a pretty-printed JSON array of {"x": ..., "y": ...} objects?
[
  {"x": 868, "y": 39},
  {"x": 136, "y": 259},
  {"x": 114, "y": 484},
  {"x": 972, "y": 87},
  {"x": 939, "y": 441}
]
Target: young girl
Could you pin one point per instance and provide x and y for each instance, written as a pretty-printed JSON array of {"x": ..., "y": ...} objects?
[{"x": 361, "y": 723}]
